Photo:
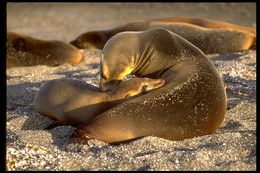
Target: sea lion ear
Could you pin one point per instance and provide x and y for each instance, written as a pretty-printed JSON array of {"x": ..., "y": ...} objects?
[{"x": 20, "y": 44}]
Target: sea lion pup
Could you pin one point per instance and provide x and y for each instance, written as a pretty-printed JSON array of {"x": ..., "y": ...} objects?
[
  {"x": 212, "y": 38},
  {"x": 23, "y": 50},
  {"x": 191, "y": 103},
  {"x": 74, "y": 102}
]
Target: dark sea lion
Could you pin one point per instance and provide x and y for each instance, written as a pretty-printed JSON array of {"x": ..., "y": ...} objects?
[
  {"x": 74, "y": 102},
  {"x": 191, "y": 103},
  {"x": 23, "y": 50},
  {"x": 209, "y": 36}
]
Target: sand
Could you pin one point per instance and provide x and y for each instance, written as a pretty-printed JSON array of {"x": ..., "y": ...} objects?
[{"x": 30, "y": 146}]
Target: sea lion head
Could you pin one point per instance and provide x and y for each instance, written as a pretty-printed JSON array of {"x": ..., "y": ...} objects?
[
  {"x": 110, "y": 78},
  {"x": 90, "y": 40},
  {"x": 137, "y": 86}
]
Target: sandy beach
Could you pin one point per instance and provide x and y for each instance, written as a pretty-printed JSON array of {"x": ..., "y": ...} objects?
[{"x": 30, "y": 146}]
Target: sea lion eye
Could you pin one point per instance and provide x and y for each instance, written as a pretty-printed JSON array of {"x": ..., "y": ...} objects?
[{"x": 144, "y": 88}]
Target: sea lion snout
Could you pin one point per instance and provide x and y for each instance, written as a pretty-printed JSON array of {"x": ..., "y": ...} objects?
[
  {"x": 77, "y": 43},
  {"x": 90, "y": 40},
  {"x": 150, "y": 84}
]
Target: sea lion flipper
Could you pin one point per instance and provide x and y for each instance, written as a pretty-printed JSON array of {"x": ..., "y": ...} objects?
[
  {"x": 53, "y": 125},
  {"x": 80, "y": 136}
]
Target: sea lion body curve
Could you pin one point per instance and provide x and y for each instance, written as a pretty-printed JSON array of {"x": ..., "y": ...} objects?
[
  {"x": 74, "y": 102},
  {"x": 191, "y": 103}
]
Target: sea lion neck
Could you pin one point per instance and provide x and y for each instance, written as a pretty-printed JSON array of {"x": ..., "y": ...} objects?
[
  {"x": 117, "y": 93},
  {"x": 146, "y": 61},
  {"x": 116, "y": 96}
]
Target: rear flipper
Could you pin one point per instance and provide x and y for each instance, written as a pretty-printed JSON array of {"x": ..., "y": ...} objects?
[{"x": 80, "y": 136}]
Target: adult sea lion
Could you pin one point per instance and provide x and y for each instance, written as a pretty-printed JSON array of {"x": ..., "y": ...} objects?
[
  {"x": 209, "y": 36},
  {"x": 207, "y": 23},
  {"x": 74, "y": 102},
  {"x": 191, "y": 103},
  {"x": 23, "y": 50}
]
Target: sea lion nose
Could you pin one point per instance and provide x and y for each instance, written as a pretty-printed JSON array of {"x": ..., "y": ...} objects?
[{"x": 161, "y": 82}]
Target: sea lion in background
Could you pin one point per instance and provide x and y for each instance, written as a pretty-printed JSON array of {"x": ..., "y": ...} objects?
[
  {"x": 208, "y": 35},
  {"x": 74, "y": 102},
  {"x": 23, "y": 50},
  {"x": 191, "y": 103},
  {"x": 207, "y": 23}
]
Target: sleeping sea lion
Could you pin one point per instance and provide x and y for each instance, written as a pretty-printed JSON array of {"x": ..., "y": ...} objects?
[
  {"x": 23, "y": 50},
  {"x": 74, "y": 102},
  {"x": 207, "y": 23},
  {"x": 191, "y": 103},
  {"x": 209, "y": 36}
]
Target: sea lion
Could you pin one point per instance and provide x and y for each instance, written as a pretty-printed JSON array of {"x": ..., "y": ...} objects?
[
  {"x": 191, "y": 103},
  {"x": 207, "y": 23},
  {"x": 74, "y": 102},
  {"x": 22, "y": 50},
  {"x": 209, "y": 36}
]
